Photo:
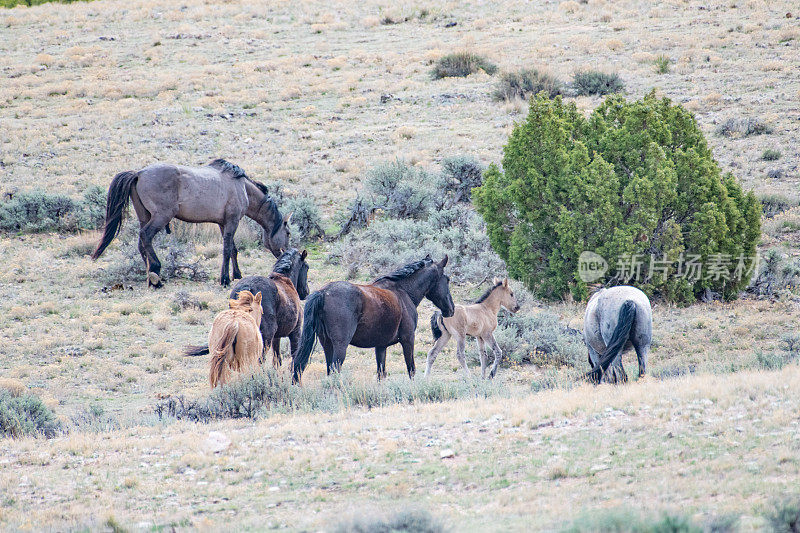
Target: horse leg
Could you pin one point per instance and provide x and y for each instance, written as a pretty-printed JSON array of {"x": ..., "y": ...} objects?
[
  {"x": 294, "y": 341},
  {"x": 276, "y": 352},
  {"x": 380, "y": 359},
  {"x": 408, "y": 354},
  {"x": 327, "y": 347},
  {"x": 339, "y": 352},
  {"x": 498, "y": 355},
  {"x": 438, "y": 346},
  {"x": 641, "y": 355},
  {"x": 484, "y": 358},
  {"x": 461, "y": 346},
  {"x": 146, "y": 235},
  {"x": 227, "y": 251},
  {"x": 237, "y": 274}
]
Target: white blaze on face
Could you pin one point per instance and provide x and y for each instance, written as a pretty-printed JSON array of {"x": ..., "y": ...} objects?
[{"x": 591, "y": 266}]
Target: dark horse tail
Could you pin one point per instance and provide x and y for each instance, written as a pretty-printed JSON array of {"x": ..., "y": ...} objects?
[
  {"x": 435, "y": 329},
  {"x": 625, "y": 322},
  {"x": 119, "y": 194},
  {"x": 312, "y": 326},
  {"x": 194, "y": 351}
]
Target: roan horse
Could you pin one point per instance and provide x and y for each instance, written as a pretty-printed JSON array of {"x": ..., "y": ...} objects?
[
  {"x": 282, "y": 291},
  {"x": 235, "y": 340},
  {"x": 478, "y": 320},
  {"x": 377, "y": 315},
  {"x": 220, "y": 193},
  {"x": 616, "y": 319}
]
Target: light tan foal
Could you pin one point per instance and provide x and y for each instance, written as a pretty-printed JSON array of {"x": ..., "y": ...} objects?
[{"x": 477, "y": 320}]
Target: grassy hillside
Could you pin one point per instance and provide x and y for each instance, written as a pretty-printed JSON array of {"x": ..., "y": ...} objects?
[{"x": 315, "y": 94}]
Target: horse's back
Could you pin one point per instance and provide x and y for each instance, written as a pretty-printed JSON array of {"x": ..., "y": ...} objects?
[
  {"x": 196, "y": 194},
  {"x": 373, "y": 314}
]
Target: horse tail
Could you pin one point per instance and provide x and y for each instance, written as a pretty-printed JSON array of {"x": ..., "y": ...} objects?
[
  {"x": 312, "y": 326},
  {"x": 436, "y": 329},
  {"x": 194, "y": 351},
  {"x": 625, "y": 322},
  {"x": 223, "y": 353},
  {"x": 119, "y": 194}
]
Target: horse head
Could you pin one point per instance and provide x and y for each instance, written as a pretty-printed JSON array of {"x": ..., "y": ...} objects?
[{"x": 439, "y": 291}]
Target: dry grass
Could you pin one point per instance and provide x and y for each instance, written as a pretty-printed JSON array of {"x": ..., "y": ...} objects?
[{"x": 293, "y": 92}]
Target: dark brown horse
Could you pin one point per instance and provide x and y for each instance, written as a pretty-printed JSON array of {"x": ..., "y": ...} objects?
[
  {"x": 281, "y": 293},
  {"x": 377, "y": 315},
  {"x": 220, "y": 193}
]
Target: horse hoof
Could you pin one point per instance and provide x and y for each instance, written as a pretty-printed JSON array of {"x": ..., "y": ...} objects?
[{"x": 154, "y": 280}]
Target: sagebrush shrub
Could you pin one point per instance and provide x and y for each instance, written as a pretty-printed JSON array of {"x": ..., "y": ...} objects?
[
  {"x": 407, "y": 521},
  {"x": 460, "y": 174},
  {"x": 525, "y": 83},
  {"x": 23, "y": 415},
  {"x": 540, "y": 339},
  {"x": 400, "y": 190},
  {"x": 258, "y": 394},
  {"x": 461, "y": 65},
  {"x": 635, "y": 179},
  {"x": 743, "y": 127},
  {"x": 778, "y": 274},
  {"x": 306, "y": 218},
  {"x": 771, "y": 155},
  {"x": 662, "y": 64},
  {"x": 595, "y": 82},
  {"x": 785, "y": 517},
  {"x": 775, "y": 204},
  {"x": 39, "y": 211}
]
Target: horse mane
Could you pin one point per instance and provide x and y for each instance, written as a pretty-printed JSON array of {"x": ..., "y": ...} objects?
[
  {"x": 260, "y": 186},
  {"x": 244, "y": 301},
  {"x": 488, "y": 292},
  {"x": 270, "y": 203},
  {"x": 406, "y": 271},
  {"x": 284, "y": 263},
  {"x": 224, "y": 166}
]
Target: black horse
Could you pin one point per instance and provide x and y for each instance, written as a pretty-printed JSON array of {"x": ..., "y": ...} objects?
[
  {"x": 377, "y": 315},
  {"x": 281, "y": 293}
]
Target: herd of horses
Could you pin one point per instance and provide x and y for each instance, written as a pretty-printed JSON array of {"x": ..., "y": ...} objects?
[{"x": 264, "y": 309}]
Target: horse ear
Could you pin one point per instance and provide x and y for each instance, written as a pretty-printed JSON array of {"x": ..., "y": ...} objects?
[
  {"x": 427, "y": 257},
  {"x": 288, "y": 217},
  {"x": 443, "y": 262},
  {"x": 505, "y": 282},
  {"x": 495, "y": 281},
  {"x": 257, "y": 299},
  {"x": 303, "y": 255}
]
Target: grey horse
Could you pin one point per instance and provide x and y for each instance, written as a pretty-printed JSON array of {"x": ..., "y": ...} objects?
[
  {"x": 616, "y": 319},
  {"x": 220, "y": 193}
]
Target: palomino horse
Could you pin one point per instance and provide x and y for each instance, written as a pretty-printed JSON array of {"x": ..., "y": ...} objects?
[
  {"x": 235, "y": 340},
  {"x": 616, "y": 319},
  {"x": 282, "y": 291},
  {"x": 478, "y": 320},
  {"x": 377, "y": 315},
  {"x": 220, "y": 193}
]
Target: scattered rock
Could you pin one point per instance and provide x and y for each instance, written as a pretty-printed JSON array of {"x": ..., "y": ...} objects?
[
  {"x": 216, "y": 442},
  {"x": 387, "y": 98},
  {"x": 447, "y": 453}
]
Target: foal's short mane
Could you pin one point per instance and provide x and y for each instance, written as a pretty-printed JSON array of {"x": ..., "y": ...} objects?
[
  {"x": 284, "y": 263},
  {"x": 224, "y": 166},
  {"x": 406, "y": 271},
  {"x": 488, "y": 292}
]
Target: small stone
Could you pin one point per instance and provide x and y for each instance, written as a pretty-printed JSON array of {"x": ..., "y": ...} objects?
[
  {"x": 216, "y": 442},
  {"x": 447, "y": 453},
  {"x": 273, "y": 489}
]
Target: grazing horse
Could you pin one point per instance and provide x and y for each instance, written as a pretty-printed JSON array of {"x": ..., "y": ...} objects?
[
  {"x": 616, "y": 319},
  {"x": 220, "y": 193},
  {"x": 478, "y": 320},
  {"x": 377, "y": 315},
  {"x": 282, "y": 291},
  {"x": 235, "y": 340}
]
